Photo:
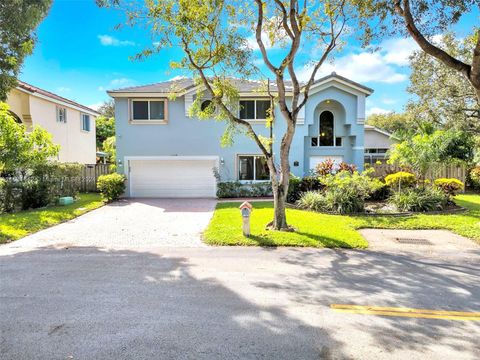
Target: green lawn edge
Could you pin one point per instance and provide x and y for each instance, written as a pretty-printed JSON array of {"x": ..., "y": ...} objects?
[
  {"x": 332, "y": 231},
  {"x": 17, "y": 225}
]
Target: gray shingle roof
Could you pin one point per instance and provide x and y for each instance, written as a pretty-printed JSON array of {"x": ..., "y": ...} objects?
[{"x": 244, "y": 86}]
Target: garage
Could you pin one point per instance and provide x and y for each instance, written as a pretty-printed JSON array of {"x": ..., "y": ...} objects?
[{"x": 172, "y": 177}]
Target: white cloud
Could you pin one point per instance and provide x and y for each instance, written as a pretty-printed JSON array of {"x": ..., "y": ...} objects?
[
  {"x": 378, "y": 110},
  {"x": 95, "y": 106},
  {"x": 397, "y": 51},
  {"x": 178, "y": 77},
  {"x": 362, "y": 67},
  {"x": 388, "y": 101},
  {"x": 63, "y": 89},
  {"x": 107, "y": 40},
  {"x": 116, "y": 84}
]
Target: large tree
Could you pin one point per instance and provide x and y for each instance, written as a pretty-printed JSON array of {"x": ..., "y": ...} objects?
[
  {"x": 18, "y": 21},
  {"x": 423, "y": 19},
  {"x": 393, "y": 122},
  {"x": 213, "y": 36},
  {"x": 441, "y": 97}
]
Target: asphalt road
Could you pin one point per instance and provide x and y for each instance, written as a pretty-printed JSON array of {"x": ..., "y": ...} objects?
[{"x": 232, "y": 303}]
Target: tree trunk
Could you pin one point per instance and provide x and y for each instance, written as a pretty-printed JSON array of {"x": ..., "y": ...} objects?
[{"x": 279, "y": 215}]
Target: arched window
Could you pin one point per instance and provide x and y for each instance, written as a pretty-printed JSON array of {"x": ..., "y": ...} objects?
[{"x": 327, "y": 123}]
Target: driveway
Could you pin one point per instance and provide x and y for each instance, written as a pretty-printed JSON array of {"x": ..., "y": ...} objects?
[{"x": 130, "y": 224}]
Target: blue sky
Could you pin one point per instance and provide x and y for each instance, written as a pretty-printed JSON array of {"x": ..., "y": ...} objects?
[{"x": 80, "y": 55}]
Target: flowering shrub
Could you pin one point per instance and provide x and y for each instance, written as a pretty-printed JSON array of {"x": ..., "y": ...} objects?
[
  {"x": 401, "y": 179},
  {"x": 475, "y": 177},
  {"x": 449, "y": 186}
]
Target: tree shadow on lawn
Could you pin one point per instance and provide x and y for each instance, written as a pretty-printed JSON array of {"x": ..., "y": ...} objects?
[
  {"x": 318, "y": 241},
  {"x": 93, "y": 304},
  {"x": 394, "y": 280}
]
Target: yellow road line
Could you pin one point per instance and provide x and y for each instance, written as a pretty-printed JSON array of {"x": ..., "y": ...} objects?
[{"x": 407, "y": 312}]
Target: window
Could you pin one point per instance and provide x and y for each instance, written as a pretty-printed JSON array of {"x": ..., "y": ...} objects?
[
  {"x": 205, "y": 104},
  {"x": 326, "y": 128},
  {"x": 148, "y": 110},
  {"x": 85, "y": 122},
  {"x": 254, "y": 109},
  {"x": 252, "y": 168},
  {"x": 326, "y": 136},
  {"x": 61, "y": 114}
]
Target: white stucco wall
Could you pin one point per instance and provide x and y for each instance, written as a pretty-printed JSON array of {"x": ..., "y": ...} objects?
[{"x": 76, "y": 145}]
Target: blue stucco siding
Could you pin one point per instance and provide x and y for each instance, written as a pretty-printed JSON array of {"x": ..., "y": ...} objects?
[{"x": 184, "y": 136}]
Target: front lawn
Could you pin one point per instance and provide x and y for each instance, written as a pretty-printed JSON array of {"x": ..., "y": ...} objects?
[
  {"x": 312, "y": 229},
  {"x": 17, "y": 225},
  {"x": 321, "y": 230}
]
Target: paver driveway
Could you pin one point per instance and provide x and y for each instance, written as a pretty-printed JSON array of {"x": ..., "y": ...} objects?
[{"x": 130, "y": 224}]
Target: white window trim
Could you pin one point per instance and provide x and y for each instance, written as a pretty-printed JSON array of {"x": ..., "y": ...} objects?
[
  {"x": 334, "y": 134},
  {"x": 89, "y": 123},
  {"x": 237, "y": 169},
  {"x": 254, "y": 109},
  {"x": 58, "y": 108},
  {"x": 147, "y": 121}
]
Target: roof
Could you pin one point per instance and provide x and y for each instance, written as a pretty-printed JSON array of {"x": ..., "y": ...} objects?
[
  {"x": 47, "y": 94},
  {"x": 373, "y": 128},
  {"x": 335, "y": 76},
  {"x": 184, "y": 85}
]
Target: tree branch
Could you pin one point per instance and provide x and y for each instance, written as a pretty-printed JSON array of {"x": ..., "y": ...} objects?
[{"x": 426, "y": 45}]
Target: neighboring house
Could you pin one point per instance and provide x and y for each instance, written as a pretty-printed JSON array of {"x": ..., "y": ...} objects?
[
  {"x": 165, "y": 153},
  {"x": 72, "y": 125},
  {"x": 377, "y": 143}
]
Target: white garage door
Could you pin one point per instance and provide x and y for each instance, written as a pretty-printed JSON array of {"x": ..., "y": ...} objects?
[{"x": 172, "y": 178}]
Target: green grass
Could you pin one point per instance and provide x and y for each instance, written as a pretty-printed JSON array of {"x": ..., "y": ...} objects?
[
  {"x": 312, "y": 229},
  {"x": 466, "y": 223},
  {"x": 17, "y": 225},
  {"x": 322, "y": 230}
]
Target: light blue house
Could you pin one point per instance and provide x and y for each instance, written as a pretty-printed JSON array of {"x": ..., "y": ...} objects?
[{"x": 165, "y": 153}]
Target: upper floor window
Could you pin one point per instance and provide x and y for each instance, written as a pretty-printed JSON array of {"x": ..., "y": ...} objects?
[
  {"x": 326, "y": 129},
  {"x": 149, "y": 110},
  {"x": 252, "y": 167},
  {"x": 254, "y": 109},
  {"x": 85, "y": 122},
  {"x": 326, "y": 136},
  {"x": 61, "y": 114}
]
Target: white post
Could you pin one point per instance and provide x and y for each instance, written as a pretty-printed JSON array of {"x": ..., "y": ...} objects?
[{"x": 246, "y": 209}]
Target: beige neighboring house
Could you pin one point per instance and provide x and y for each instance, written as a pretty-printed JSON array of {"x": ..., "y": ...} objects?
[
  {"x": 72, "y": 125},
  {"x": 376, "y": 144}
]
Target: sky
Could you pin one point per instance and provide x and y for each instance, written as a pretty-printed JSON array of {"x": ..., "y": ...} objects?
[{"x": 80, "y": 54}]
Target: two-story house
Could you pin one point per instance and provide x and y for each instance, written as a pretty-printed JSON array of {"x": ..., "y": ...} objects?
[
  {"x": 165, "y": 153},
  {"x": 72, "y": 125}
]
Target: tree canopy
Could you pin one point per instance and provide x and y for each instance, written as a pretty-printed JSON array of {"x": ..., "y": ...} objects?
[
  {"x": 105, "y": 128},
  {"x": 440, "y": 95},
  {"x": 422, "y": 20},
  {"x": 392, "y": 122},
  {"x": 18, "y": 21}
]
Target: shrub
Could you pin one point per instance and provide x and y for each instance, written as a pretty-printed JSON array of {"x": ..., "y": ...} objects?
[
  {"x": 401, "y": 179},
  {"x": 344, "y": 193},
  {"x": 475, "y": 177},
  {"x": 235, "y": 189},
  {"x": 294, "y": 192},
  {"x": 111, "y": 186},
  {"x": 421, "y": 199},
  {"x": 449, "y": 186},
  {"x": 313, "y": 200},
  {"x": 328, "y": 167}
]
